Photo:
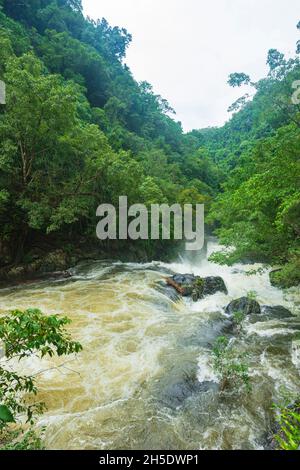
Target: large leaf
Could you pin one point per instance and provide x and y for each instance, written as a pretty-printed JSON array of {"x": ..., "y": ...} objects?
[{"x": 6, "y": 415}]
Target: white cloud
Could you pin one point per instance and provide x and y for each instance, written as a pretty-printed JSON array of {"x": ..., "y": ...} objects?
[{"x": 187, "y": 48}]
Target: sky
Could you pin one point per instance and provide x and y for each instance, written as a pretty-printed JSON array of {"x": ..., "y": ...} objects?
[{"x": 187, "y": 48}]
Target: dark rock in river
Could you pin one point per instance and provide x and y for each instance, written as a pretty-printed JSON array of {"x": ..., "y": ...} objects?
[
  {"x": 177, "y": 393},
  {"x": 243, "y": 305},
  {"x": 276, "y": 312},
  {"x": 196, "y": 287},
  {"x": 212, "y": 285},
  {"x": 168, "y": 291},
  {"x": 271, "y": 313},
  {"x": 205, "y": 336}
]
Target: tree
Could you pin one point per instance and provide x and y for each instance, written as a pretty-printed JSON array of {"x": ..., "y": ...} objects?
[
  {"x": 275, "y": 59},
  {"x": 114, "y": 40},
  {"x": 238, "y": 79},
  {"x": 24, "y": 334},
  {"x": 45, "y": 145}
]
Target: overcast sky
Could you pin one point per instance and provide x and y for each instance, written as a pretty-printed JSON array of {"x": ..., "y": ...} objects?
[{"x": 187, "y": 48}]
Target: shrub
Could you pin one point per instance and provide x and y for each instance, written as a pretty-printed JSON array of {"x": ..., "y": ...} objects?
[
  {"x": 252, "y": 295},
  {"x": 230, "y": 366},
  {"x": 24, "y": 334},
  {"x": 238, "y": 318},
  {"x": 21, "y": 439},
  {"x": 288, "y": 418}
]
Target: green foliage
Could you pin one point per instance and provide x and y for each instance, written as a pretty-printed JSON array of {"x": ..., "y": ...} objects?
[
  {"x": 238, "y": 79},
  {"x": 288, "y": 418},
  {"x": 289, "y": 274},
  {"x": 254, "y": 272},
  {"x": 79, "y": 131},
  {"x": 257, "y": 211},
  {"x": 24, "y": 334},
  {"x": 197, "y": 289},
  {"x": 6, "y": 415},
  {"x": 78, "y": 124},
  {"x": 252, "y": 295},
  {"x": 223, "y": 258},
  {"x": 230, "y": 366},
  {"x": 259, "y": 216},
  {"x": 20, "y": 439},
  {"x": 238, "y": 318}
]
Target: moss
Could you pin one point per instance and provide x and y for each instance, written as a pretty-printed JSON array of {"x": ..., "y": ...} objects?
[
  {"x": 199, "y": 283},
  {"x": 197, "y": 289}
]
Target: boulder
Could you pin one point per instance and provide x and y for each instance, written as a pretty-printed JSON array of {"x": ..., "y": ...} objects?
[
  {"x": 243, "y": 305},
  {"x": 277, "y": 312},
  {"x": 196, "y": 287},
  {"x": 213, "y": 285},
  {"x": 183, "y": 283},
  {"x": 271, "y": 313}
]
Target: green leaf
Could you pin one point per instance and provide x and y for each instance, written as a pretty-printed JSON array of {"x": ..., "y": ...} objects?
[{"x": 6, "y": 415}]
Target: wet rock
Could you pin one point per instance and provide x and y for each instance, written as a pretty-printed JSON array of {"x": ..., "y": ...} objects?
[
  {"x": 243, "y": 305},
  {"x": 16, "y": 272},
  {"x": 277, "y": 312},
  {"x": 212, "y": 285},
  {"x": 55, "y": 261},
  {"x": 196, "y": 287},
  {"x": 237, "y": 271},
  {"x": 168, "y": 291},
  {"x": 53, "y": 275},
  {"x": 177, "y": 393},
  {"x": 184, "y": 284},
  {"x": 205, "y": 335},
  {"x": 184, "y": 278},
  {"x": 39, "y": 265},
  {"x": 272, "y": 313}
]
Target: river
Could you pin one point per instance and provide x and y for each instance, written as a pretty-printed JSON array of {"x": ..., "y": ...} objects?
[{"x": 144, "y": 379}]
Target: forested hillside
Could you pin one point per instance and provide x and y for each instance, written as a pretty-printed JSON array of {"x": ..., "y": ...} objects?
[
  {"x": 258, "y": 209},
  {"x": 78, "y": 131}
]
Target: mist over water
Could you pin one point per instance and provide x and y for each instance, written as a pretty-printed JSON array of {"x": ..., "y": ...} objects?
[{"x": 144, "y": 379}]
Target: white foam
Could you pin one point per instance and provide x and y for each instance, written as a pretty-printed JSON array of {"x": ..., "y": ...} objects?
[{"x": 205, "y": 369}]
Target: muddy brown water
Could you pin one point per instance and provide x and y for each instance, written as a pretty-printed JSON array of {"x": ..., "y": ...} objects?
[{"x": 144, "y": 379}]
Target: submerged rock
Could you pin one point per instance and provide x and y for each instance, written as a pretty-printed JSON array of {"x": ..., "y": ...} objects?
[
  {"x": 277, "y": 312},
  {"x": 175, "y": 394},
  {"x": 168, "y": 291},
  {"x": 271, "y": 313},
  {"x": 196, "y": 287},
  {"x": 243, "y": 305}
]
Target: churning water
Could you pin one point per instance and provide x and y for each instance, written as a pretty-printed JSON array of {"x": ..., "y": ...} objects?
[{"x": 144, "y": 379}]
